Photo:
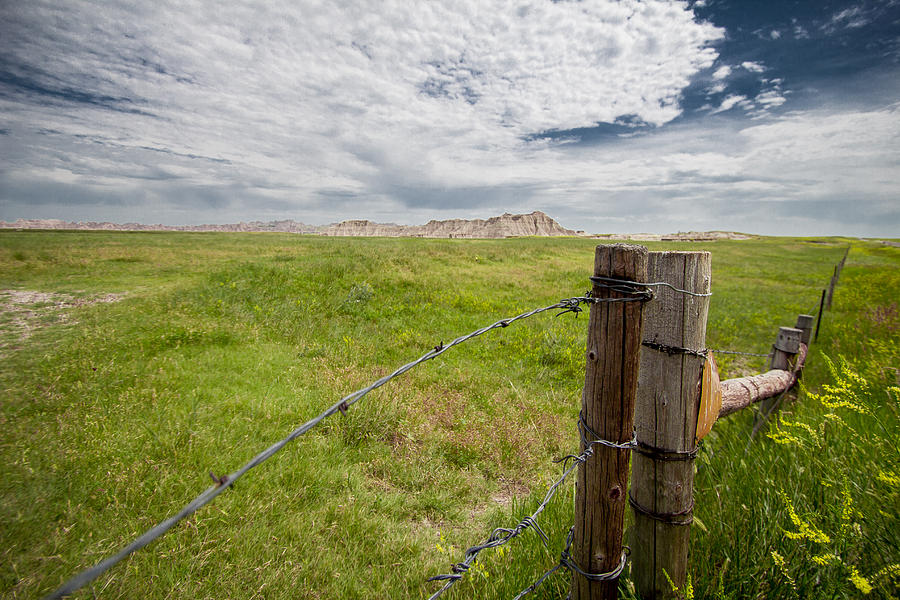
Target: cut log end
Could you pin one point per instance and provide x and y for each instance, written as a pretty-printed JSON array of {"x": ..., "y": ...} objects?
[{"x": 743, "y": 391}]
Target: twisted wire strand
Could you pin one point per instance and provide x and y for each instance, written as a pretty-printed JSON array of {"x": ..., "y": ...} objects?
[
  {"x": 500, "y": 536},
  {"x": 630, "y": 287},
  {"x": 704, "y": 352},
  {"x": 559, "y": 565},
  {"x": 80, "y": 580},
  {"x": 714, "y": 351},
  {"x": 566, "y": 561}
]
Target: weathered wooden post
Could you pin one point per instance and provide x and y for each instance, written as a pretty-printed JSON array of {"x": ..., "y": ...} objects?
[
  {"x": 662, "y": 479},
  {"x": 787, "y": 344},
  {"x": 613, "y": 348},
  {"x": 805, "y": 325}
]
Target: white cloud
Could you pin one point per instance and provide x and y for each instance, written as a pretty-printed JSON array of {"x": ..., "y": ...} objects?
[
  {"x": 405, "y": 112},
  {"x": 730, "y": 102},
  {"x": 349, "y": 97},
  {"x": 804, "y": 172},
  {"x": 849, "y": 18},
  {"x": 770, "y": 99},
  {"x": 722, "y": 72},
  {"x": 753, "y": 67},
  {"x": 801, "y": 33}
]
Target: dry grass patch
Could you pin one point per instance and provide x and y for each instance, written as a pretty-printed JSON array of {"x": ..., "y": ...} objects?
[{"x": 22, "y": 312}]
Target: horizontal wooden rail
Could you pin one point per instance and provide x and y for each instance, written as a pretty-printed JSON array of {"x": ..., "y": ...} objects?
[{"x": 743, "y": 391}]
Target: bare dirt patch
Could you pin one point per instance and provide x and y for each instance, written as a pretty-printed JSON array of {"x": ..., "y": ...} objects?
[
  {"x": 22, "y": 312},
  {"x": 509, "y": 490}
]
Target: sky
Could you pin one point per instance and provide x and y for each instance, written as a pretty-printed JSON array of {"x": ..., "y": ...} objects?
[{"x": 770, "y": 117}]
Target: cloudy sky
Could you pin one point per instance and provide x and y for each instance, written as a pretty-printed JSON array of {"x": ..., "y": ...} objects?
[{"x": 778, "y": 117}]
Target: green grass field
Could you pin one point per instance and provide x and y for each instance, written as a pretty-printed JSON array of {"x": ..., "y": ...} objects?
[{"x": 218, "y": 345}]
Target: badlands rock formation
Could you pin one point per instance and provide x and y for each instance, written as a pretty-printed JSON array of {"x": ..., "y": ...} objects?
[
  {"x": 286, "y": 226},
  {"x": 536, "y": 223},
  {"x": 681, "y": 236},
  {"x": 507, "y": 225}
]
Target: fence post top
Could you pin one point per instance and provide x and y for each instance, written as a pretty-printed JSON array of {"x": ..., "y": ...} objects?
[
  {"x": 804, "y": 321},
  {"x": 682, "y": 252},
  {"x": 788, "y": 339},
  {"x": 624, "y": 247}
]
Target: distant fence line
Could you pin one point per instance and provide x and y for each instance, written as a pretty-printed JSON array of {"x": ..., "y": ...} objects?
[{"x": 622, "y": 383}]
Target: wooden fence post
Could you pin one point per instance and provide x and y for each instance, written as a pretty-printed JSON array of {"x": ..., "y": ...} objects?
[
  {"x": 834, "y": 278},
  {"x": 611, "y": 373},
  {"x": 805, "y": 325},
  {"x": 787, "y": 344},
  {"x": 662, "y": 478}
]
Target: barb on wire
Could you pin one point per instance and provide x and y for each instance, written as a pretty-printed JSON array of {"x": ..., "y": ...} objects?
[
  {"x": 501, "y": 535},
  {"x": 227, "y": 481}
]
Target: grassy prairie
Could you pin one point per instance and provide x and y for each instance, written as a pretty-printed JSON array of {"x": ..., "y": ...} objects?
[{"x": 114, "y": 414}]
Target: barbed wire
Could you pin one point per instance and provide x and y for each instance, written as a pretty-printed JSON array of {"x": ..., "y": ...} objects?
[
  {"x": 715, "y": 351},
  {"x": 626, "y": 287},
  {"x": 225, "y": 481},
  {"x": 815, "y": 310},
  {"x": 501, "y": 536},
  {"x": 704, "y": 352},
  {"x": 566, "y": 561}
]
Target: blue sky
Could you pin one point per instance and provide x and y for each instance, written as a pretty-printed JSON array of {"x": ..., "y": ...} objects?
[{"x": 611, "y": 116}]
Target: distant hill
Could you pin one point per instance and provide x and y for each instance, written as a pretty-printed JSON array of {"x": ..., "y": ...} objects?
[
  {"x": 507, "y": 225},
  {"x": 287, "y": 226}
]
